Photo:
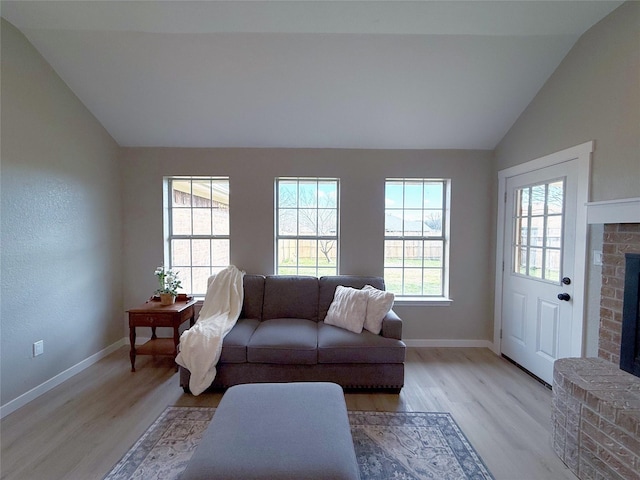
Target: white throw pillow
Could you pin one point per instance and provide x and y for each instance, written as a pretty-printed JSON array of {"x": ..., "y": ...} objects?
[
  {"x": 379, "y": 303},
  {"x": 348, "y": 309}
]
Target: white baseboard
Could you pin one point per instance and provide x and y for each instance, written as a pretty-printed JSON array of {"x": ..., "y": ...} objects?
[
  {"x": 446, "y": 343},
  {"x": 41, "y": 389}
]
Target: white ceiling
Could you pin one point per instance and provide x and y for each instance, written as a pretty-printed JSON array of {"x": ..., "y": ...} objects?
[{"x": 336, "y": 74}]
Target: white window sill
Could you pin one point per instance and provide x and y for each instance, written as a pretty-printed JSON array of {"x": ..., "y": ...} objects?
[{"x": 423, "y": 301}]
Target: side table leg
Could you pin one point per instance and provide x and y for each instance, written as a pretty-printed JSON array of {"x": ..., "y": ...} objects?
[
  {"x": 176, "y": 340},
  {"x": 132, "y": 352}
]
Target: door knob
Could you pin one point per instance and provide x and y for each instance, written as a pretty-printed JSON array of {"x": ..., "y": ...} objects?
[
  {"x": 564, "y": 297},
  {"x": 566, "y": 281}
]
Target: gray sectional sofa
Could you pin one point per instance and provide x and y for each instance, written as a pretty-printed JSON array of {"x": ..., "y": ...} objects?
[{"x": 281, "y": 337}]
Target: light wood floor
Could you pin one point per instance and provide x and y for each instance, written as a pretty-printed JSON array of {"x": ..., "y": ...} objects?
[{"x": 80, "y": 429}]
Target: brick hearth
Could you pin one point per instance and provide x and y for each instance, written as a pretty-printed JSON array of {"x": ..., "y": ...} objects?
[{"x": 596, "y": 419}]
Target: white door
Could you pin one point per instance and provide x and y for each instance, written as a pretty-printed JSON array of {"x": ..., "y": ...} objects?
[{"x": 540, "y": 321}]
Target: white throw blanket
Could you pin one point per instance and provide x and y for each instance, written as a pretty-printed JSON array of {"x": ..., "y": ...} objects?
[{"x": 201, "y": 345}]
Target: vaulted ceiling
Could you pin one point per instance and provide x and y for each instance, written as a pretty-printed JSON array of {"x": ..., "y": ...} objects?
[{"x": 334, "y": 74}]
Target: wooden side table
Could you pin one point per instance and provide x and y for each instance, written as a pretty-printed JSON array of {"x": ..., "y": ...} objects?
[{"x": 153, "y": 314}]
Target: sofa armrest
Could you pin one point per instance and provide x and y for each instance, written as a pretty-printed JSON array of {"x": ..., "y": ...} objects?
[{"x": 392, "y": 326}]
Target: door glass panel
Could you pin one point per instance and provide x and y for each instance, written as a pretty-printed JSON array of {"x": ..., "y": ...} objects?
[
  {"x": 537, "y": 231},
  {"x": 554, "y": 231},
  {"x": 536, "y": 261},
  {"x": 538, "y": 200},
  {"x": 555, "y": 201},
  {"x": 523, "y": 228},
  {"x": 523, "y": 203},
  {"x": 521, "y": 260},
  {"x": 552, "y": 267},
  {"x": 537, "y": 235}
]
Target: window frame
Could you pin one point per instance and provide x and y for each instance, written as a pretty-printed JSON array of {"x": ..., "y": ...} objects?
[
  {"x": 527, "y": 244},
  {"x": 298, "y": 237},
  {"x": 442, "y": 298},
  {"x": 169, "y": 235}
]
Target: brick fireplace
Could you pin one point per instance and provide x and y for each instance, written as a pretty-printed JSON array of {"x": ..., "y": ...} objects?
[
  {"x": 596, "y": 405},
  {"x": 619, "y": 238}
]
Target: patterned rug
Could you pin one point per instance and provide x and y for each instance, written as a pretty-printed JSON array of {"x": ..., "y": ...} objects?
[{"x": 399, "y": 446}]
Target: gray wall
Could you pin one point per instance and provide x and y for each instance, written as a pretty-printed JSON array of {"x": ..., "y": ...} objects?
[
  {"x": 362, "y": 174},
  {"x": 594, "y": 94},
  {"x": 61, "y": 225},
  {"x": 62, "y": 230}
]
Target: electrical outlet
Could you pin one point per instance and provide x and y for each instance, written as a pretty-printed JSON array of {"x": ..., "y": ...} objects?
[{"x": 38, "y": 348}]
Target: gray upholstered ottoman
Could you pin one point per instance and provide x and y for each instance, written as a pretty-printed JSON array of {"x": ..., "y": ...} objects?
[{"x": 277, "y": 431}]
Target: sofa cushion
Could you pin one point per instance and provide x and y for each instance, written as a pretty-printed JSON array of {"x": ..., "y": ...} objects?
[
  {"x": 290, "y": 297},
  {"x": 234, "y": 345},
  {"x": 253, "y": 296},
  {"x": 378, "y": 305},
  {"x": 329, "y": 283},
  {"x": 336, "y": 345},
  {"x": 284, "y": 341},
  {"x": 348, "y": 309}
]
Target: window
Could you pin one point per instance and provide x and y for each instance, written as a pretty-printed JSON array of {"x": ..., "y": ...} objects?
[
  {"x": 416, "y": 237},
  {"x": 307, "y": 226},
  {"x": 537, "y": 246},
  {"x": 197, "y": 226}
]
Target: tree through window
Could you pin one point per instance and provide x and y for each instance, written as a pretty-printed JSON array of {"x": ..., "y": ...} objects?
[{"x": 307, "y": 226}]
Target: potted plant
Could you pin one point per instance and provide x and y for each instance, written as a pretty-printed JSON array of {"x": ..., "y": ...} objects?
[{"x": 169, "y": 285}]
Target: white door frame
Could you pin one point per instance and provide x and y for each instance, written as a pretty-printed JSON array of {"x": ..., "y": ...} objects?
[{"x": 582, "y": 153}]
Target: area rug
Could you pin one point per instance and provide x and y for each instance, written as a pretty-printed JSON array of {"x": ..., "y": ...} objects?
[{"x": 399, "y": 446}]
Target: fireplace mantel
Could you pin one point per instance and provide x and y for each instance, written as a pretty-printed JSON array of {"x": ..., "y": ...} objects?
[{"x": 625, "y": 210}]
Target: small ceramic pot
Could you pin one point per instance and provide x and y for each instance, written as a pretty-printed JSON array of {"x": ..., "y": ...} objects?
[{"x": 167, "y": 299}]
